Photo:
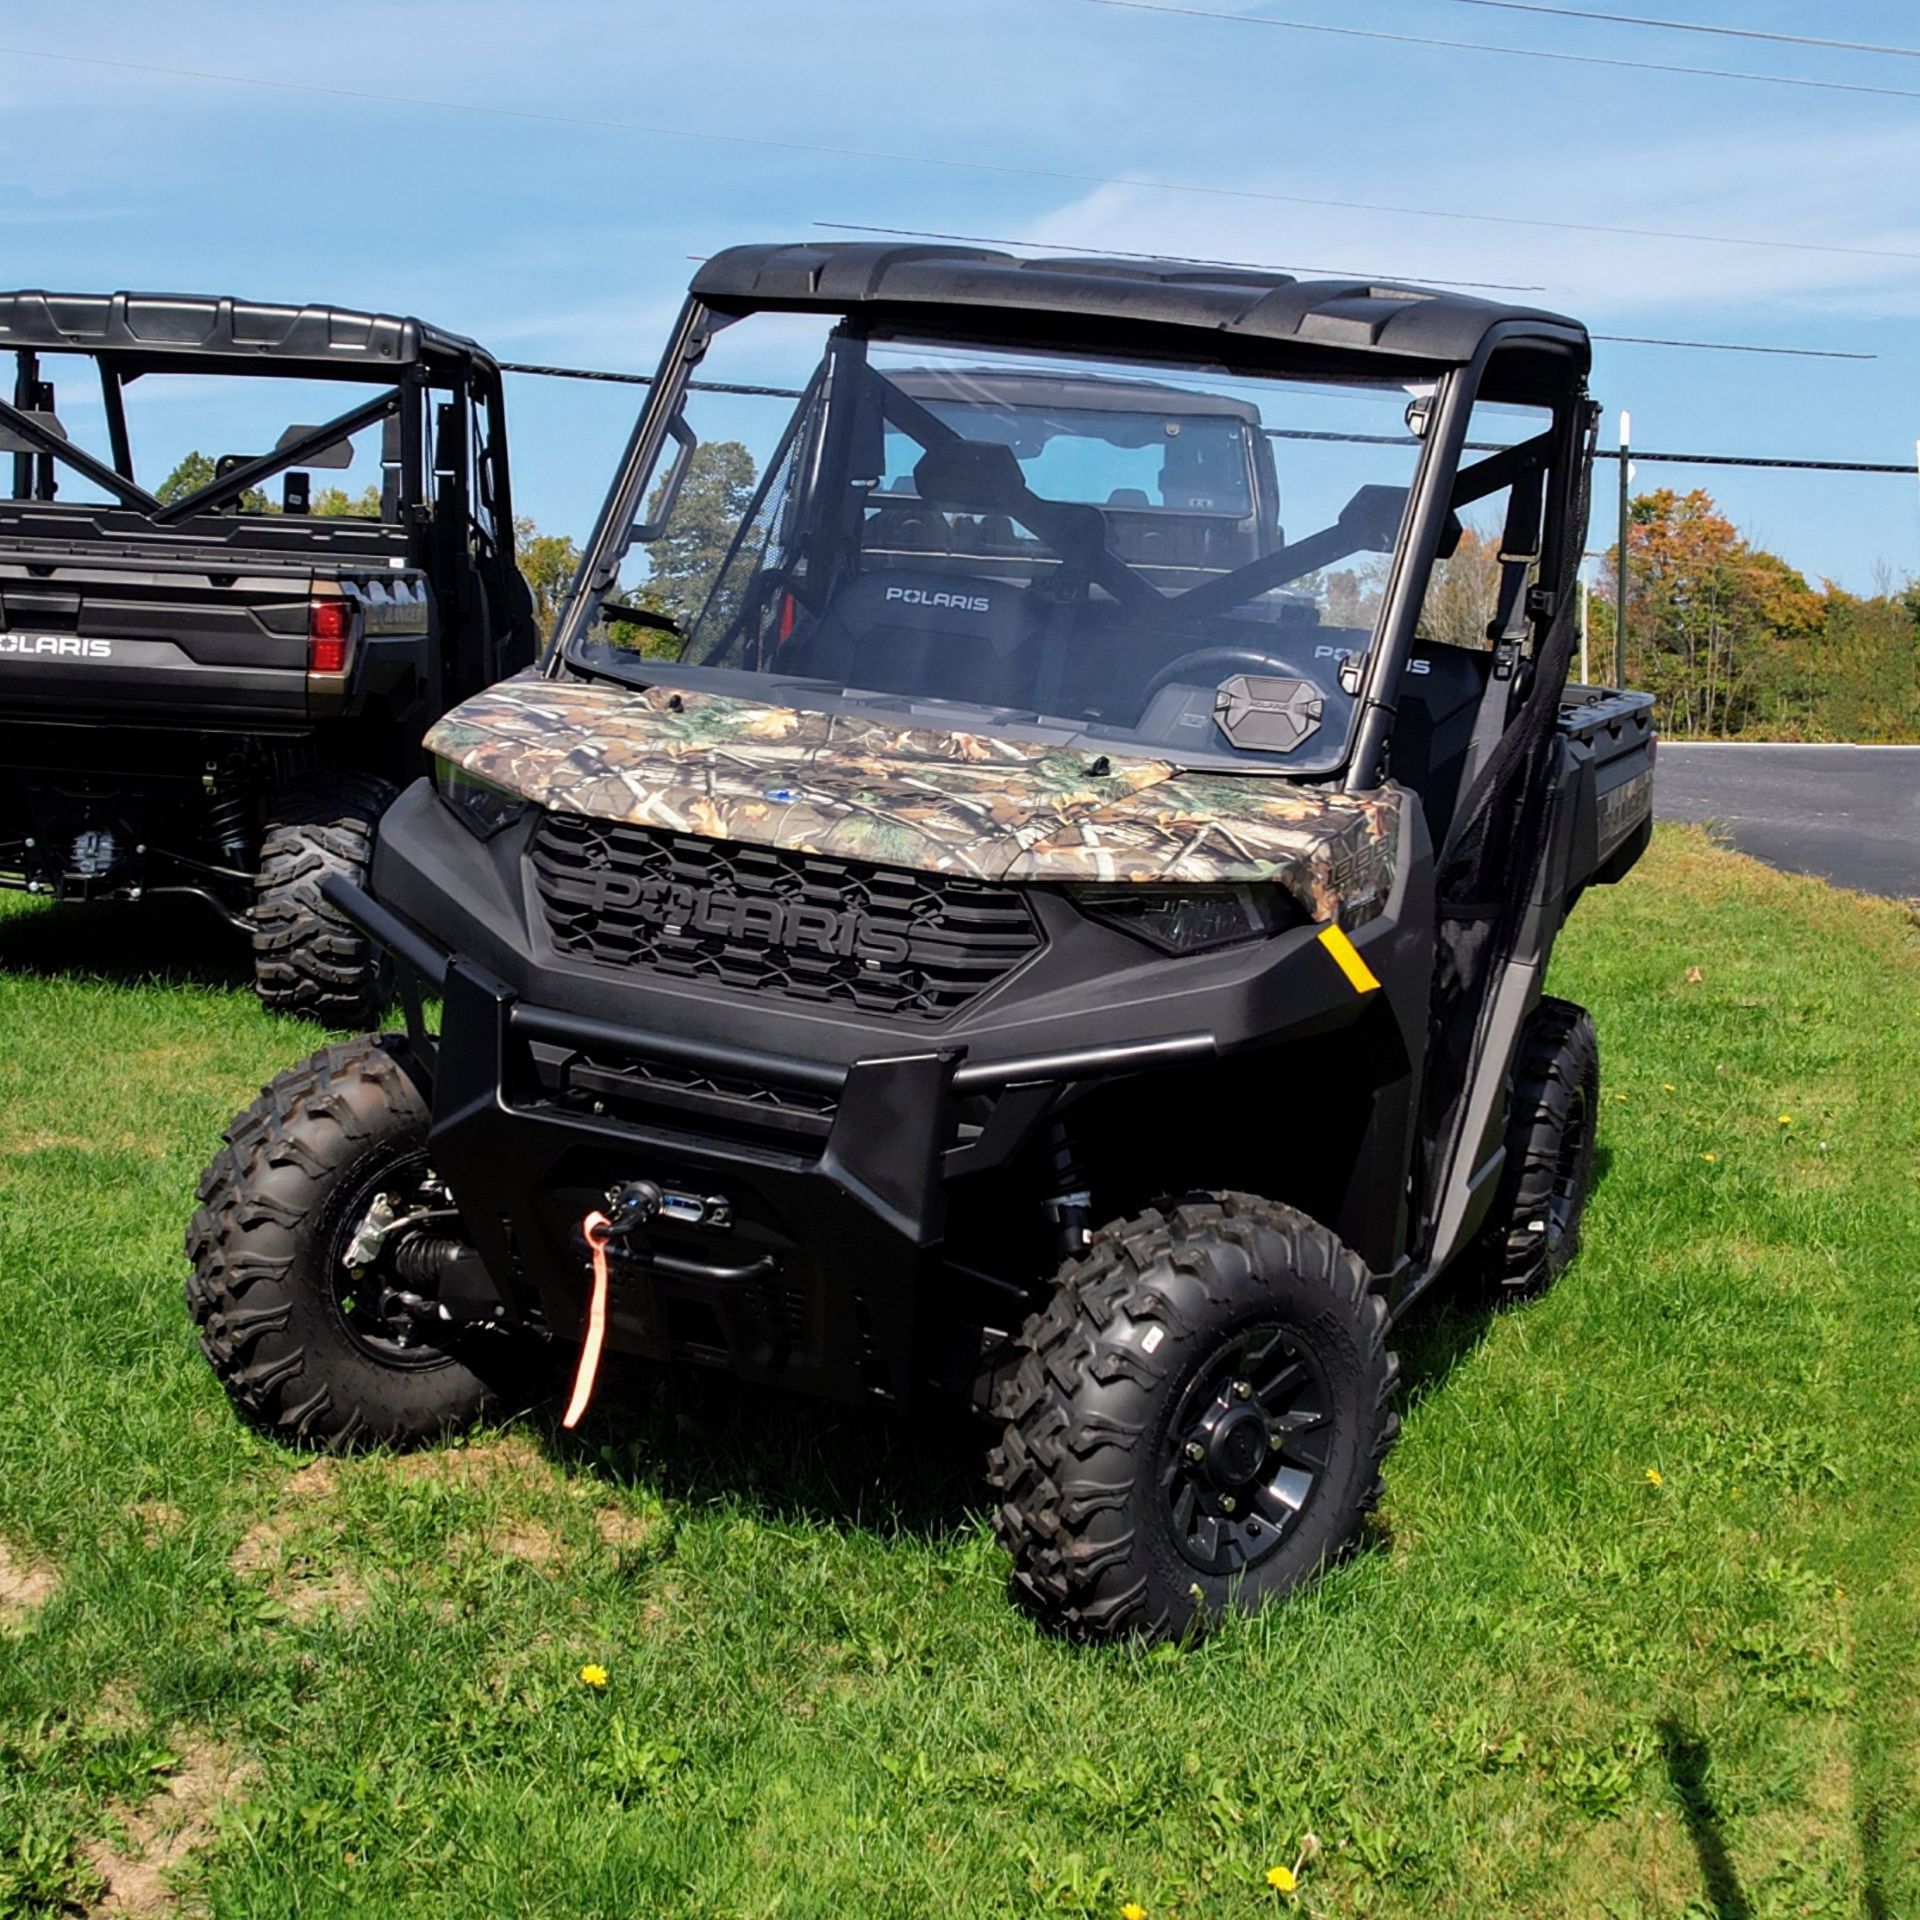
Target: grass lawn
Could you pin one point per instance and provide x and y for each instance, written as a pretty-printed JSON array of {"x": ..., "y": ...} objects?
[{"x": 1634, "y": 1635}]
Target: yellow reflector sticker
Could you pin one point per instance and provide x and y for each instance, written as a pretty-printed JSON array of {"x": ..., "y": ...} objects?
[{"x": 1347, "y": 958}]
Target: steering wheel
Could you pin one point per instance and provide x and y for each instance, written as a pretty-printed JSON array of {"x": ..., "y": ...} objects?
[{"x": 1223, "y": 659}]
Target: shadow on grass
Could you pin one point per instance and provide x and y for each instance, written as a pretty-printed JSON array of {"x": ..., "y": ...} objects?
[
  {"x": 1687, "y": 1761},
  {"x": 704, "y": 1438},
  {"x": 1442, "y": 1330},
  {"x": 163, "y": 942}
]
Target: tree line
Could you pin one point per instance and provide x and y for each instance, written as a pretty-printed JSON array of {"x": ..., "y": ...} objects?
[{"x": 1737, "y": 645}]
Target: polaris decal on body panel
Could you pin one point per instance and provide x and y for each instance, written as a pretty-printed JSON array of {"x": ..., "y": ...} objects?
[
  {"x": 960, "y": 602},
  {"x": 1346, "y": 653},
  {"x": 53, "y": 646}
]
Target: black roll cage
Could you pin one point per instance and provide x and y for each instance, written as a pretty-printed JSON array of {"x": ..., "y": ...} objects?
[
  {"x": 1440, "y": 486},
  {"x": 473, "y": 381}
]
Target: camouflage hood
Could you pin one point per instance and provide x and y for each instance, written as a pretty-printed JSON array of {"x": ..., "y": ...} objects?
[{"x": 875, "y": 790}]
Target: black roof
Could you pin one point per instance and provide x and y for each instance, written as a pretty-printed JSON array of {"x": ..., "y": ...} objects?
[
  {"x": 1416, "y": 326},
  {"x": 189, "y": 330}
]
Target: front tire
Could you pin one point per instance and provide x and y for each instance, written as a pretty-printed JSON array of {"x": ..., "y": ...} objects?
[
  {"x": 1197, "y": 1420},
  {"x": 283, "y": 1321},
  {"x": 308, "y": 958}
]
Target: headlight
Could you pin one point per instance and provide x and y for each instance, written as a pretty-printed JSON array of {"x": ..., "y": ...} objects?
[
  {"x": 1190, "y": 919},
  {"x": 483, "y": 808}
]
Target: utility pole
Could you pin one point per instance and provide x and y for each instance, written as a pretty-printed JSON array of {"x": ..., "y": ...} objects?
[{"x": 1620, "y": 567}]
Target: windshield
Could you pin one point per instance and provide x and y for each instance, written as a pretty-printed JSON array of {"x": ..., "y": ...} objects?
[{"x": 1170, "y": 562}]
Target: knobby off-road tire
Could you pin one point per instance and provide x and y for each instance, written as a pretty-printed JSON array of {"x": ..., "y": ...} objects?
[
  {"x": 1533, "y": 1228},
  {"x": 1230, "y": 1325},
  {"x": 307, "y": 958},
  {"x": 268, "y": 1289}
]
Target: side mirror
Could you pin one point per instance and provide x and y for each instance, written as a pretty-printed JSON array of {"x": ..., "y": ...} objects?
[
  {"x": 1370, "y": 521},
  {"x": 340, "y": 454}
]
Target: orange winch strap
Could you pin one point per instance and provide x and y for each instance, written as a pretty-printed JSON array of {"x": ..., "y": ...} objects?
[{"x": 594, "y": 1226}]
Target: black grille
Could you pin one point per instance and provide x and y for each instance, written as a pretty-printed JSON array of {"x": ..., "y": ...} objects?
[
  {"x": 801, "y": 925},
  {"x": 648, "y": 1090}
]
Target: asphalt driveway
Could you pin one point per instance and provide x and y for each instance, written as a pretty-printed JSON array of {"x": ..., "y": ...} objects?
[{"x": 1849, "y": 814}]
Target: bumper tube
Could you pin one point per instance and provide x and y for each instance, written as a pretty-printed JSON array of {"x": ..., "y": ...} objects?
[{"x": 413, "y": 950}]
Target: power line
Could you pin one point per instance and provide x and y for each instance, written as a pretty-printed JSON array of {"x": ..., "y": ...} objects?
[
  {"x": 1690, "y": 26},
  {"x": 1182, "y": 259},
  {"x": 1275, "y": 433},
  {"x": 1905, "y": 468},
  {"x": 1730, "y": 346},
  {"x": 1176, "y": 259},
  {"x": 646, "y": 380},
  {"x": 1517, "y": 53},
  {"x": 998, "y": 168}
]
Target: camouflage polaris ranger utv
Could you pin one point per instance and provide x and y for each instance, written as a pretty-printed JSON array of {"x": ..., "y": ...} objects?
[{"x": 1036, "y": 889}]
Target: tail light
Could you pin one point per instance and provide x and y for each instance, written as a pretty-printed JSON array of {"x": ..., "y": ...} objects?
[{"x": 329, "y": 635}]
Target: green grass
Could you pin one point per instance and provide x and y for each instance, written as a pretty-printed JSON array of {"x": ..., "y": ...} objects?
[{"x": 1551, "y": 1686}]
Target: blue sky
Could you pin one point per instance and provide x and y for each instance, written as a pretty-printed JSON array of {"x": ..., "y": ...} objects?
[{"x": 570, "y": 242}]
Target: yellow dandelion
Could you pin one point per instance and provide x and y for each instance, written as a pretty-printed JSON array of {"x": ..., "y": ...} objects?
[
  {"x": 1621, "y": 1097},
  {"x": 1133, "y": 1910},
  {"x": 1282, "y": 1879},
  {"x": 1655, "y": 1478},
  {"x": 594, "y": 1676},
  {"x": 1786, "y": 1119},
  {"x": 1667, "y": 1086},
  {"x": 1709, "y": 1158}
]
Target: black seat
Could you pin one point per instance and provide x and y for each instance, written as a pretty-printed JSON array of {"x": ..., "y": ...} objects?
[
  {"x": 925, "y": 633},
  {"x": 1440, "y": 700}
]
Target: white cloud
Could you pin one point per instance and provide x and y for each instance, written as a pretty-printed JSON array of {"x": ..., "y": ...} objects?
[{"x": 1861, "y": 194}]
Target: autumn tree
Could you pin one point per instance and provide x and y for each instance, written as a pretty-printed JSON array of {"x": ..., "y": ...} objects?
[
  {"x": 336, "y": 503},
  {"x": 1705, "y": 611},
  {"x": 1463, "y": 592},
  {"x": 547, "y": 562}
]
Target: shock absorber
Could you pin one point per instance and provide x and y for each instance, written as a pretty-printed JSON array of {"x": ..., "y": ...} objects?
[
  {"x": 229, "y": 814},
  {"x": 1069, "y": 1205}
]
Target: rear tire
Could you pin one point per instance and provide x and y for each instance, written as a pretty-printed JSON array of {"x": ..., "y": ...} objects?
[
  {"x": 309, "y": 959},
  {"x": 1533, "y": 1229},
  {"x": 1196, "y": 1423},
  {"x": 269, "y": 1290}
]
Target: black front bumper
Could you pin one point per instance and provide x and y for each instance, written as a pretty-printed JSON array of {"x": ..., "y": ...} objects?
[{"x": 834, "y": 1178}]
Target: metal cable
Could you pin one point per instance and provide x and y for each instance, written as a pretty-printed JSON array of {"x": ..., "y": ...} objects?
[
  {"x": 1272, "y": 433},
  {"x": 1518, "y": 53}
]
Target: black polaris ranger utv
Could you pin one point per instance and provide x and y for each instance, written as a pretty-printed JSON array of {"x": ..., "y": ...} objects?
[
  {"x": 210, "y": 689},
  {"x": 1037, "y": 889}
]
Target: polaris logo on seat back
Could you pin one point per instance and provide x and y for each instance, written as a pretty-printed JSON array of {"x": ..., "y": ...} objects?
[
  {"x": 675, "y": 908},
  {"x": 960, "y": 602},
  {"x": 58, "y": 646}
]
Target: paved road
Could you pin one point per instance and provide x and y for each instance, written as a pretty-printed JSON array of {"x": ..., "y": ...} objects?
[{"x": 1849, "y": 814}]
